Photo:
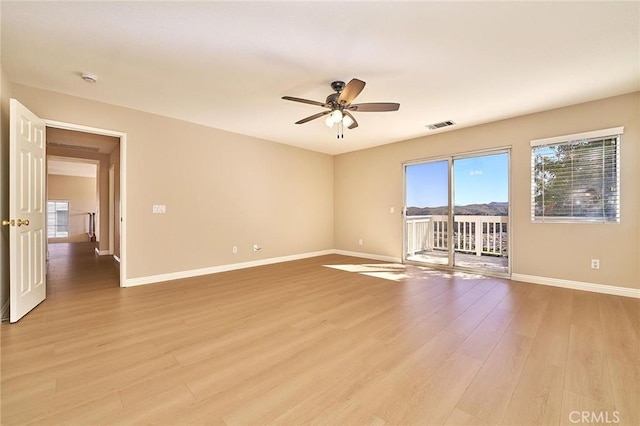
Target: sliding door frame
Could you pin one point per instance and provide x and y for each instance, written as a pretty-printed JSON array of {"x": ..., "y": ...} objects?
[{"x": 451, "y": 197}]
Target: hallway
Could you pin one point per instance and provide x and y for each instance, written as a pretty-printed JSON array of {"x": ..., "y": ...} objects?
[{"x": 75, "y": 268}]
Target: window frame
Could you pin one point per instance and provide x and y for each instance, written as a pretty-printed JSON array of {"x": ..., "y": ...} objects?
[
  {"x": 55, "y": 225},
  {"x": 614, "y": 132}
]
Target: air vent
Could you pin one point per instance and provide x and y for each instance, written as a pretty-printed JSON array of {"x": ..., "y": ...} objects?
[
  {"x": 74, "y": 147},
  {"x": 440, "y": 125}
]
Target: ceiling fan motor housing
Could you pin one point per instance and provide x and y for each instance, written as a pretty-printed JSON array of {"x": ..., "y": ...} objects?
[
  {"x": 338, "y": 86},
  {"x": 332, "y": 99}
]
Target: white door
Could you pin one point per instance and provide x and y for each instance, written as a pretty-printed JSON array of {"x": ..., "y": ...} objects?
[{"x": 27, "y": 213}]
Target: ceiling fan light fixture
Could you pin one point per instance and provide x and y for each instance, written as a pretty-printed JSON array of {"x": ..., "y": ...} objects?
[
  {"x": 329, "y": 121},
  {"x": 336, "y": 115},
  {"x": 347, "y": 121}
]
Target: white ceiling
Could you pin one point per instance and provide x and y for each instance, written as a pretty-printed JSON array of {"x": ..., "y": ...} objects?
[
  {"x": 227, "y": 64},
  {"x": 80, "y": 141},
  {"x": 71, "y": 167}
]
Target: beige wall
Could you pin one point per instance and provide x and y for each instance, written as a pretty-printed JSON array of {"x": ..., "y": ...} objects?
[
  {"x": 5, "y": 95},
  {"x": 368, "y": 182},
  {"x": 81, "y": 193},
  {"x": 221, "y": 189}
]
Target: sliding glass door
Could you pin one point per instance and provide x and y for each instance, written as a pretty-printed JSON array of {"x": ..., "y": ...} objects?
[
  {"x": 481, "y": 212},
  {"x": 457, "y": 212},
  {"x": 427, "y": 213}
]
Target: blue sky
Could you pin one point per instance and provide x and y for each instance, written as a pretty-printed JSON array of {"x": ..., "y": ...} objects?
[{"x": 477, "y": 180}]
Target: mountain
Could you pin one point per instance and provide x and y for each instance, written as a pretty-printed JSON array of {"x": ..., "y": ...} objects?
[{"x": 492, "y": 209}]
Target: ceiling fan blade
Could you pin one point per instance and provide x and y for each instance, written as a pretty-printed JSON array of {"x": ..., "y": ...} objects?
[
  {"x": 350, "y": 91},
  {"x": 304, "y": 101},
  {"x": 313, "y": 117},
  {"x": 355, "y": 123},
  {"x": 374, "y": 107}
]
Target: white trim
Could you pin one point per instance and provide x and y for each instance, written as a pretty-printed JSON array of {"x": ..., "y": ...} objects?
[
  {"x": 122, "y": 210},
  {"x": 4, "y": 312},
  {"x": 368, "y": 256},
  {"x": 555, "y": 282},
  {"x": 102, "y": 252},
  {"x": 578, "y": 136},
  {"x": 577, "y": 285},
  {"x": 116, "y": 258},
  {"x": 82, "y": 128},
  {"x": 131, "y": 282},
  {"x": 112, "y": 210}
]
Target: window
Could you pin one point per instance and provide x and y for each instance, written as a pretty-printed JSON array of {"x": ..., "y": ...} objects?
[
  {"x": 57, "y": 219},
  {"x": 576, "y": 178}
]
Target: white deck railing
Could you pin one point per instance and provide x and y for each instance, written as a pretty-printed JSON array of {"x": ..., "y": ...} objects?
[{"x": 471, "y": 234}]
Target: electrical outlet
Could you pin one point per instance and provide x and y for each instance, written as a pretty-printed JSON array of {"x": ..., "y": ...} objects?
[
  {"x": 235, "y": 249},
  {"x": 256, "y": 247},
  {"x": 595, "y": 263},
  {"x": 360, "y": 242}
]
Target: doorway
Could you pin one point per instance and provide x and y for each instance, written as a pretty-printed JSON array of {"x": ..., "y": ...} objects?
[
  {"x": 106, "y": 149},
  {"x": 72, "y": 199},
  {"x": 457, "y": 212}
]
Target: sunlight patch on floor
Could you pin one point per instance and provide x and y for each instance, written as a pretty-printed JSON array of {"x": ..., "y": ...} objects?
[
  {"x": 388, "y": 271},
  {"x": 399, "y": 272}
]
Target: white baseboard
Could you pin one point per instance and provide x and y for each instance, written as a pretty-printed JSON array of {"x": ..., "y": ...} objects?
[
  {"x": 4, "y": 312},
  {"x": 368, "y": 256},
  {"x": 103, "y": 252},
  {"x": 577, "y": 285},
  {"x": 131, "y": 282},
  {"x": 116, "y": 258},
  {"x": 555, "y": 282}
]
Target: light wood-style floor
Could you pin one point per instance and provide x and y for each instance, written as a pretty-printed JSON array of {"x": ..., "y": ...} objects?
[{"x": 357, "y": 343}]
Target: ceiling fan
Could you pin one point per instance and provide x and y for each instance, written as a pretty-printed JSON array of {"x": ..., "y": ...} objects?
[{"x": 340, "y": 107}]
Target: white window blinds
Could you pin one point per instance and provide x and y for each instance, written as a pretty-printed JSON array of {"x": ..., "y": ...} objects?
[
  {"x": 576, "y": 178},
  {"x": 57, "y": 219}
]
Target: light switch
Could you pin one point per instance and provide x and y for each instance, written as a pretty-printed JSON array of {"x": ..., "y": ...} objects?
[
  {"x": 159, "y": 208},
  {"x": 392, "y": 209}
]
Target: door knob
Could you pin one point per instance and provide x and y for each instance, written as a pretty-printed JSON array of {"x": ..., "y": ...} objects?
[{"x": 18, "y": 222}]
